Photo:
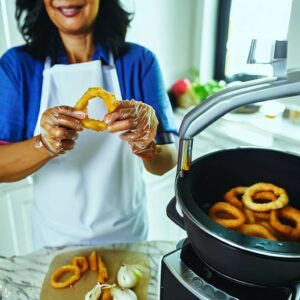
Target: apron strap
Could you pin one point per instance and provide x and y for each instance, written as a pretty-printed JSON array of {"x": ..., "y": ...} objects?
[
  {"x": 47, "y": 64},
  {"x": 110, "y": 78}
]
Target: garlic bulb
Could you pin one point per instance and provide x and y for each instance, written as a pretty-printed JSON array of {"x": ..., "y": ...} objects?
[
  {"x": 129, "y": 275},
  {"x": 119, "y": 294},
  {"x": 95, "y": 292}
]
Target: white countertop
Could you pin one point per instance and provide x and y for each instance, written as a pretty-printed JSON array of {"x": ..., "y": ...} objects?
[{"x": 21, "y": 277}]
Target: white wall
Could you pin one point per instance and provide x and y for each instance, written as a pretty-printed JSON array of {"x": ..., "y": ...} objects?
[
  {"x": 9, "y": 34},
  {"x": 2, "y": 37},
  {"x": 167, "y": 28},
  {"x": 206, "y": 27},
  {"x": 293, "y": 38}
]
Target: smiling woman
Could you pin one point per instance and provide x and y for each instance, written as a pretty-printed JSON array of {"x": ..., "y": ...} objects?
[
  {"x": 75, "y": 17},
  {"x": 73, "y": 45},
  {"x": 45, "y": 18}
]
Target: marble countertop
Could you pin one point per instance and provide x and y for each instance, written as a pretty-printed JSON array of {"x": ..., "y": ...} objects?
[{"x": 21, "y": 277}]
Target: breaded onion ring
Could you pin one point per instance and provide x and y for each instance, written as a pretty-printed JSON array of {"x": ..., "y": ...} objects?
[
  {"x": 269, "y": 196},
  {"x": 262, "y": 215},
  {"x": 270, "y": 229},
  {"x": 289, "y": 214},
  {"x": 280, "y": 202},
  {"x": 232, "y": 196},
  {"x": 217, "y": 211},
  {"x": 109, "y": 100},
  {"x": 256, "y": 230},
  {"x": 62, "y": 270},
  {"x": 81, "y": 263},
  {"x": 249, "y": 216}
]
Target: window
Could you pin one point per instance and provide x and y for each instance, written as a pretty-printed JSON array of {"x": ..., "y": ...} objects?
[{"x": 265, "y": 21}]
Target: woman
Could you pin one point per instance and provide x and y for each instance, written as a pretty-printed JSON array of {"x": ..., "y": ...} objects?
[{"x": 92, "y": 191}]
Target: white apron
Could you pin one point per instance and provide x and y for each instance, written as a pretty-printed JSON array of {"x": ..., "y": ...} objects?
[{"x": 94, "y": 194}]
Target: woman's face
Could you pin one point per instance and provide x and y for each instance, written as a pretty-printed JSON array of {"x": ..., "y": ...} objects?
[{"x": 73, "y": 16}]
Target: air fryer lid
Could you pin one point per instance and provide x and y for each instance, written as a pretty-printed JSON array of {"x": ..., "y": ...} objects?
[{"x": 214, "y": 174}]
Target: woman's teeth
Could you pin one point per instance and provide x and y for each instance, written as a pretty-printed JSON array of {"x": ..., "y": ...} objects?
[{"x": 70, "y": 11}]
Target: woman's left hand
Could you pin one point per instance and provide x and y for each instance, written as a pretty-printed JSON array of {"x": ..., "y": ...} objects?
[{"x": 139, "y": 122}]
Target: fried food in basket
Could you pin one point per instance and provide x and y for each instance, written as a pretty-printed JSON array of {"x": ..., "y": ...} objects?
[
  {"x": 265, "y": 210},
  {"x": 256, "y": 230},
  {"x": 291, "y": 216},
  {"x": 250, "y": 217},
  {"x": 232, "y": 196},
  {"x": 260, "y": 215},
  {"x": 227, "y": 215},
  {"x": 280, "y": 202},
  {"x": 109, "y": 100}
]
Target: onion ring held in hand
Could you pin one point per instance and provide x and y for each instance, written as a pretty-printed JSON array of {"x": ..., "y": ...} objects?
[
  {"x": 290, "y": 215},
  {"x": 217, "y": 211},
  {"x": 62, "y": 270},
  {"x": 280, "y": 202},
  {"x": 81, "y": 263},
  {"x": 109, "y": 100},
  {"x": 232, "y": 196},
  {"x": 256, "y": 230}
]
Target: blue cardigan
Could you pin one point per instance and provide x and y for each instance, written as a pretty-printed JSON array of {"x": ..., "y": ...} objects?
[{"x": 21, "y": 78}]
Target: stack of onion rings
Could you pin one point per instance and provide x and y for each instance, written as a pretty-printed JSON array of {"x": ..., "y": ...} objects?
[{"x": 259, "y": 210}]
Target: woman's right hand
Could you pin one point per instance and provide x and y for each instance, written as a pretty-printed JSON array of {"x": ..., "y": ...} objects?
[{"x": 59, "y": 127}]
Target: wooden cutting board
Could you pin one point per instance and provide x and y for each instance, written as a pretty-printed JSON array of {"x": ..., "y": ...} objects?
[{"x": 113, "y": 259}]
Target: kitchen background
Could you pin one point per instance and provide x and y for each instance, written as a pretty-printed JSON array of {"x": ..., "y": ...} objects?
[{"x": 187, "y": 36}]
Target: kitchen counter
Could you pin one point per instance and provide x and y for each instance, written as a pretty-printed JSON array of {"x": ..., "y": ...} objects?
[
  {"x": 246, "y": 130},
  {"x": 21, "y": 277}
]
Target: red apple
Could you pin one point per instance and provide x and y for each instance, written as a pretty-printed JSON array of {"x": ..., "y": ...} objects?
[{"x": 181, "y": 86}]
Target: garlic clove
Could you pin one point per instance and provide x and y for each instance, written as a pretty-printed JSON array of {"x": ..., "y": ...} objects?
[
  {"x": 129, "y": 275},
  {"x": 95, "y": 292},
  {"x": 120, "y": 294}
]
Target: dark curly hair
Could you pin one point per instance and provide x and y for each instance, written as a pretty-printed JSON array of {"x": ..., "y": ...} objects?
[{"x": 43, "y": 40}]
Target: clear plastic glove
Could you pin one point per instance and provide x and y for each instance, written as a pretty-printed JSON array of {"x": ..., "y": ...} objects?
[
  {"x": 59, "y": 126},
  {"x": 139, "y": 122}
]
